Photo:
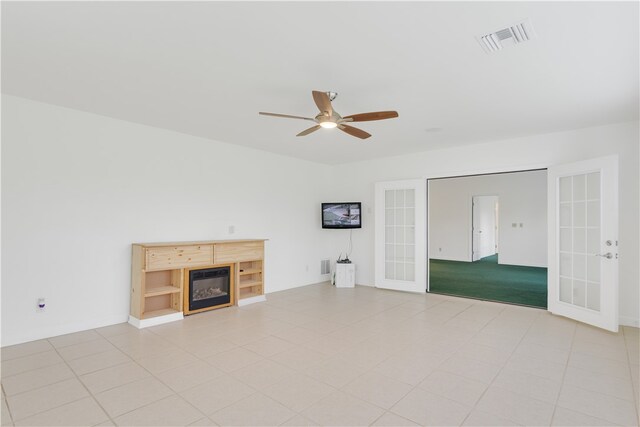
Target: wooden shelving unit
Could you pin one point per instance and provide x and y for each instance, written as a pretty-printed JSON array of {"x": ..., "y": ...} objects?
[
  {"x": 161, "y": 290},
  {"x": 158, "y": 275},
  {"x": 162, "y": 293},
  {"x": 250, "y": 279}
]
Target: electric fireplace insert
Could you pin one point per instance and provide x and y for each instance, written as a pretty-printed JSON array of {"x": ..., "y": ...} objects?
[{"x": 209, "y": 287}]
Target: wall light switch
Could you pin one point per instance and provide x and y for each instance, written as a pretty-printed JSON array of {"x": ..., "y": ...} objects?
[
  {"x": 521, "y": 225},
  {"x": 514, "y": 225}
]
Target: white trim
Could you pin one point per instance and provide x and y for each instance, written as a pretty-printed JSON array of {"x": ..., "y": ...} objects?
[
  {"x": 158, "y": 320},
  {"x": 492, "y": 171},
  {"x": 252, "y": 300}
]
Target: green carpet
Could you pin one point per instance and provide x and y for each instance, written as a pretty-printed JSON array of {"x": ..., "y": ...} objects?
[{"x": 487, "y": 280}]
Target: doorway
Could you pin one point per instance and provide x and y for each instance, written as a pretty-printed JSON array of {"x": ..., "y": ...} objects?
[
  {"x": 484, "y": 229},
  {"x": 581, "y": 203},
  {"x": 488, "y": 237}
]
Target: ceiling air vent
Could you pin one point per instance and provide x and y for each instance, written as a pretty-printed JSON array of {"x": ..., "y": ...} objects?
[{"x": 518, "y": 33}]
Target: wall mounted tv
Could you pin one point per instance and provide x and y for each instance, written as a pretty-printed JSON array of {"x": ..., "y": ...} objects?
[{"x": 341, "y": 215}]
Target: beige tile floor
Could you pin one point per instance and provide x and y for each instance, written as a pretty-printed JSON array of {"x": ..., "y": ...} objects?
[{"x": 318, "y": 355}]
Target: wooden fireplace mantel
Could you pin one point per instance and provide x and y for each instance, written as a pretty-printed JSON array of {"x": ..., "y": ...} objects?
[{"x": 158, "y": 271}]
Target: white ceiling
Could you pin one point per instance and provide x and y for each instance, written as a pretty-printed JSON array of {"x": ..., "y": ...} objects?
[{"x": 207, "y": 68}]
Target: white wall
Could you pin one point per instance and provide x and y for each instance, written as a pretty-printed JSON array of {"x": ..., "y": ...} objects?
[
  {"x": 78, "y": 189},
  {"x": 539, "y": 151},
  {"x": 522, "y": 198}
]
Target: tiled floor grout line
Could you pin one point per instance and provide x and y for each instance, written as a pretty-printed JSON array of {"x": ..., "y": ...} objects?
[
  {"x": 564, "y": 373},
  {"x": 27, "y": 355},
  {"x": 277, "y": 382},
  {"x": 500, "y": 370},
  {"x": 385, "y": 410},
  {"x": 54, "y": 348},
  {"x": 152, "y": 375},
  {"x": 97, "y": 370},
  {"x": 417, "y": 386},
  {"x": 7, "y": 404},
  {"x": 633, "y": 385},
  {"x": 49, "y": 384},
  {"x": 81, "y": 383},
  {"x": 396, "y": 305},
  {"x": 468, "y": 341},
  {"x": 147, "y": 404},
  {"x": 255, "y": 391}
]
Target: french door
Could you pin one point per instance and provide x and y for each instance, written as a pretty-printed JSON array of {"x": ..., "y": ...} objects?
[
  {"x": 400, "y": 232},
  {"x": 583, "y": 241}
]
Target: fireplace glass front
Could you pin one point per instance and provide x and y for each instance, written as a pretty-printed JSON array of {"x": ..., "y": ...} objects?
[{"x": 209, "y": 287}]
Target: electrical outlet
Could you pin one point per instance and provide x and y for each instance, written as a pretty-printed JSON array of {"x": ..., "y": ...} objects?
[
  {"x": 232, "y": 229},
  {"x": 514, "y": 225},
  {"x": 439, "y": 249}
]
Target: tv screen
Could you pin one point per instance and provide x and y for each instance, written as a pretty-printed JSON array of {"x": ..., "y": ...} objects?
[{"x": 341, "y": 215}]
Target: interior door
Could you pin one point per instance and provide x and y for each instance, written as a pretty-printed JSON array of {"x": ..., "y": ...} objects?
[
  {"x": 400, "y": 235},
  {"x": 476, "y": 230},
  {"x": 483, "y": 232},
  {"x": 583, "y": 240}
]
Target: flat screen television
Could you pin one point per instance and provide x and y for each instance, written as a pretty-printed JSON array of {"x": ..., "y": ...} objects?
[{"x": 341, "y": 215}]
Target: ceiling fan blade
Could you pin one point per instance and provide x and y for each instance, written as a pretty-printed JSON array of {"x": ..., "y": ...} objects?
[
  {"x": 367, "y": 117},
  {"x": 308, "y": 131},
  {"x": 323, "y": 102},
  {"x": 359, "y": 133},
  {"x": 286, "y": 116}
]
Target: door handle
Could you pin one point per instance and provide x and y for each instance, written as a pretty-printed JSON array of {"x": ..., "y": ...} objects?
[{"x": 608, "y": 255}]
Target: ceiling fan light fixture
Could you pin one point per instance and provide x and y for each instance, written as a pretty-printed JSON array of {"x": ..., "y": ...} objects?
[
  {"x": 328, "y": 125},
  {"x": 328, "y": 118}
]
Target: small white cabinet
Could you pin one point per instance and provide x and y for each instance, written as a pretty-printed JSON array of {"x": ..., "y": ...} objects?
[{"x": 345, "y": 275}]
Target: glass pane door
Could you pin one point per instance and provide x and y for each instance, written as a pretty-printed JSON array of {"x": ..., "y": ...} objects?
[
  {"x": 400, "y": 235},
  {"x": 400, "y": 211},
  {"x": 583, "y": 230},
  {"x": 579, "y": 206}
]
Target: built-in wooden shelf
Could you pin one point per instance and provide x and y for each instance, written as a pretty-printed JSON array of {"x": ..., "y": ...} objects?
[
  {"x": 250, "y": 294},
  {"x": 158, "y": 287},
  {"x": 249, "y": 284},
  {"x": 161, "y": 290},
  {"x": 250, "y": 271}
]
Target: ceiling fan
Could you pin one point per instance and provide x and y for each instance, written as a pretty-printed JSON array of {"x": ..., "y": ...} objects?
[{"x": 328, "y": 118}]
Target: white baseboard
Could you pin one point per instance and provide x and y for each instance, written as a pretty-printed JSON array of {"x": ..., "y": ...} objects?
[
  {"x": 629, "y": 321},
  {"x": 159, "y": 320},
  {"x": 252, "y": 300}
]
